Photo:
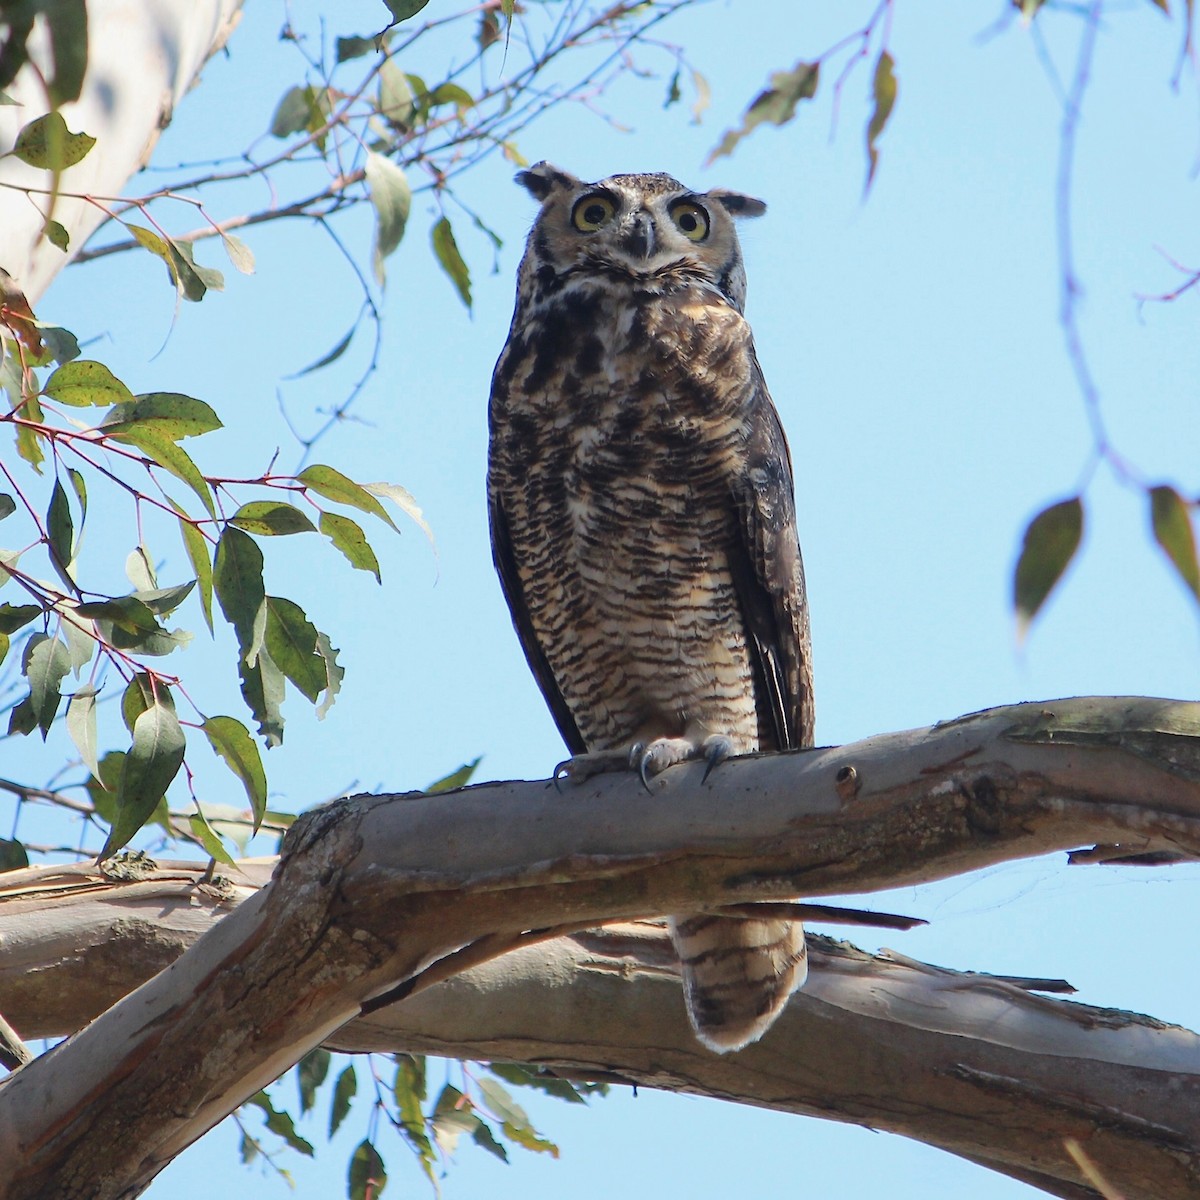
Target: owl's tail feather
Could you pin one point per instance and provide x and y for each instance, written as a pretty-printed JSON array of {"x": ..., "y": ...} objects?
[{"x": 737, "y": 974}]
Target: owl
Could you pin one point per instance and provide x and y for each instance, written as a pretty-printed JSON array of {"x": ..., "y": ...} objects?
[{"x": 643, "y": 523}]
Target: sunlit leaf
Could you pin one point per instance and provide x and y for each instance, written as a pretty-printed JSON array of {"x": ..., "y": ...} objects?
[
  {"x": 46, "y": 142},
  {"x": 347, "y": 535},
  {"x": 403, "y": 500},
  {"x": 210, "y": 839},
  {"x": 84, "y": 382},
  {"x": 169, "y": 414},
  {"x": 391, "y": 196},
  {"x": 263, "y": 688},
  {"x": 271, "y": 518},
  {"x": 451, "y": 261},
  {"x": 776, "y": 105},
  {"x": 1172, "y": 525},
  {"x": 883, "y": 92},
  {"x": 127, "y": 613},
  {"x": 1050, "y": 542},
  {"x": 139, "y": 570},
  {"x": 163, "y": 601},
  {"x": 199, "y": 555},
  {"x": 238, "y": 253},
  {"x": 457, "y": 778},
  {"x": 161, "y": 450},
  {"x": 333, "y": 485},
  {"x": 396, "y": 104},
  {"x": 334, "y": 674},
  {"x": 232, "y": 741}
]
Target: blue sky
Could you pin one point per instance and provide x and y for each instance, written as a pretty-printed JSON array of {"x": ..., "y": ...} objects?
[{"x": 912, "y": 347}]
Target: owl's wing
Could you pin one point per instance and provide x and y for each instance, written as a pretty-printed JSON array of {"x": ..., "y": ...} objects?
[
  {"x": 768, "y": 575},
  {"x": 514, "y": 593}
]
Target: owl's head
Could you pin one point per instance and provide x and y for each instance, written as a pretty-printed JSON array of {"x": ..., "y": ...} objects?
[{"x": 648, "y": 228}]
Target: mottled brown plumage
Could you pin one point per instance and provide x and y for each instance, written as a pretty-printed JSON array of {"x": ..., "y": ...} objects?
[{"x": 643, "y": 524}]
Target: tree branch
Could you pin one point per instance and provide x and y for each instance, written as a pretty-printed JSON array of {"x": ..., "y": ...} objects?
[{"x": 372, "y": 890}]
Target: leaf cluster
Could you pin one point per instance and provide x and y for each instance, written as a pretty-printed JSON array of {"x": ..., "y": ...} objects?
[{"x": 86, "y": 439}]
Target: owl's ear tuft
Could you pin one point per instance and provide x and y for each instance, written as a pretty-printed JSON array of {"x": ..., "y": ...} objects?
[
  {"x": 542, "y": 178},
  {"x": 737, "y": 204}
]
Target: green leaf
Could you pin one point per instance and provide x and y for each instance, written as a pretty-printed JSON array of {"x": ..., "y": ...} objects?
[
  {"x": 83, "y": 382},
  {"x": 151, "y": 763},
  {"x": 62, "y": 344},
  {"x": 883, "y": 91},
  {"x": 194, "y": 277},
  {"x": 347, "y": 535},
  {"x": 311, "y": 1071},
  {"x": 391, "y": 196},
  {"x": 456, "y": 779},
  {"x": 5, "y": 646},
  {"x": 776, "y": 105},
  {"x": 281, "y": 1124},
  {"x": 139, "y": 570},
  {"x": 208, "y": 837},
  {"x": 60, "y": 529},
  {"x": 451, "y": 93},
  {"x": 449, "y": 1125},
  {"x": 231, "y": 740},
  {"x": 77, "y": 632},
  {"x": 47, "y": 143},
  {"x": 79, "y": 484},
  {"x": 169, "y": 414},
  {"x": 483, "y": 1137},
  {"x": 22, "y": 719},
  {"x": 1051, "y": 540},
  {"x": 196, "y": 546},
  {"x": 353, "y": 47},
  {"x": 343, "y": 1093},
  {"x": 528, "y": 1138},
  {"x": 451, "y": 260},
  {"x": 271, "y": 518},
  {"x": 154, "y": 643},
  {"x": 81, "y": 725},
  {"x": 56, "y": 234},
  {"x": 45, "y": 662},
  {"x": 333, "y": 485},
  {"x": 8, "y": 505},
  {"x": 138, "y": 696},
  {"x": 163, "y": 451},
  {"x": 126, "y": 613},
  {"x": 238, "y": 580},
  {"x": 1172, "y": 525},
  {"x": 408, "y": 1088},
  {"x": 552, "y": 1085},
  {"x": 291, "y": 113},
  {"x": 332, "y": 356},
  {"x": 67, "y": 22},
  {"x": 164, "y": 601},
  {"x": 13, "y": 856},
  {"x": 367, "y": 1176},
  {"x": 15, "y": 616},
  {"x": 401, "y": 10},
  {"x": 501, "y": 1104},
  {"x": 291, "y": 641},
  {"x": 262, "y": 689}
]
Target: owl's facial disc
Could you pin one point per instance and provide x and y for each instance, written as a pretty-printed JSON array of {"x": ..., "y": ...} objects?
[{"x": 639, "y": 239}]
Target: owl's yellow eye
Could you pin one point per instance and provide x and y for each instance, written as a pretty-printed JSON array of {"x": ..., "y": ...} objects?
[
  {"x": 591, "y": 212},
  {"x": 690, "y": 219}
]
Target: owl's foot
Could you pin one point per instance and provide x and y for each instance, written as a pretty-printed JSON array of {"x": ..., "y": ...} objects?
[
  {"x": 647, "y": 758},
  {"x": 579, "y": 768}
]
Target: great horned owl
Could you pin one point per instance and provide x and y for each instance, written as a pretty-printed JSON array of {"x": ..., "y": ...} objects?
[{"x": 643, "y": 524}]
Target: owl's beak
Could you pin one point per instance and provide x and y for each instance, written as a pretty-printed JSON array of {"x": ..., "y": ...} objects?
[{"x": 639, "y": 241}]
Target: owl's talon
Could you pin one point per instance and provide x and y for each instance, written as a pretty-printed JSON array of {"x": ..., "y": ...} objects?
[{"x": 717, "y": 748}]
